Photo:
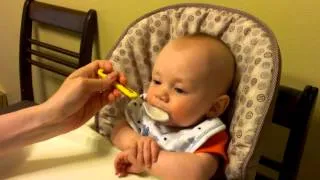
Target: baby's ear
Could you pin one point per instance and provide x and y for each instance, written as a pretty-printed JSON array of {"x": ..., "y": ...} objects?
[{"x": 219, "y": 106}]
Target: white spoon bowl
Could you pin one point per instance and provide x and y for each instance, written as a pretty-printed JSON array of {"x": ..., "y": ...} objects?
[{"x": 155, "y": 113}]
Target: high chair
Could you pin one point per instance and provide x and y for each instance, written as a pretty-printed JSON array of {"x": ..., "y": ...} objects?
[{"x": 257, "y": 56}]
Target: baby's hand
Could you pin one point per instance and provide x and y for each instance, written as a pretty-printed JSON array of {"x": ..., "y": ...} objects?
[
  {"x": 126, "y": 162},
  {"x": 147, "y": 151},
  {"x": 121, "y": 164}
]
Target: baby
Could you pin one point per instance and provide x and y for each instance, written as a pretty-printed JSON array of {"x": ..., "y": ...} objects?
[{"x": 190, "y": 80}]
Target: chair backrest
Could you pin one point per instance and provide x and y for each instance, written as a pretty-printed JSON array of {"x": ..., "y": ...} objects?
[
  {"x": 83, "y": 23},
  {"x": 293, "y": 110}
]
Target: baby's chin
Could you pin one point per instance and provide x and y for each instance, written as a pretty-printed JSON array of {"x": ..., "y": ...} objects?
[
  {"x": 175, "y": 124},
  {"x": 169, "y": 123},
  {"x": 172, "y": 123}
]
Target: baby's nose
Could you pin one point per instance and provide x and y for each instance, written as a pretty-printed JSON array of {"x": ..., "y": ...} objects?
[{"x": 163, "y": 96}]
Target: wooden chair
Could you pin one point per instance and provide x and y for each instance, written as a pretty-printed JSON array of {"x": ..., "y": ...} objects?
[
  {"x": 78, "y": 22},
  {"x": 292, "y": 110}
]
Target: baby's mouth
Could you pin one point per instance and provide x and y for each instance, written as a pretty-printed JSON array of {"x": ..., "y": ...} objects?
[{"x": 156, "y": 113}]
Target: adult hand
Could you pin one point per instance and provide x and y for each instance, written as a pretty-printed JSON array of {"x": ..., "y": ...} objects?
[{"x": 82, "y": 94}]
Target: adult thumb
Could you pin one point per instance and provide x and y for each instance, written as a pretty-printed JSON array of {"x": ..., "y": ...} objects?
[{"x": 99, "y": 85}]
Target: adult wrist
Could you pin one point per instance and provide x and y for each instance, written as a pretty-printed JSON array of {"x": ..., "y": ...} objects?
[{"x": 49, "y": 114}]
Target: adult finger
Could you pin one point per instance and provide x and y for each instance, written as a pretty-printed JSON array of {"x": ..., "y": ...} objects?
[
  {"x": 96, "y": 85},
  {"x": 111, "y": 98},
  {"x": 116, "y": 93},
  {"x": 122, "y": 78},
  {"x": 91, "y": 69}
]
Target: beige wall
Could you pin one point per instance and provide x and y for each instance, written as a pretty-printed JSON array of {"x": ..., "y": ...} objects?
[{"x": 295, "y": 24}]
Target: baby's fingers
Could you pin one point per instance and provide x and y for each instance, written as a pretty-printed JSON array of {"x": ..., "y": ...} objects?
[
  {"x": 155, "y": 149},
  {"x": 118, "y": 165},
  {"x": 140, "y": 156},
  {"x": 123, "y": 174},
  {"x": 147, "y": 153},
  {"x": 122, "y": 169}
]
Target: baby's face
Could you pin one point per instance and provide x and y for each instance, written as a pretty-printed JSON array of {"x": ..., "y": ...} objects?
[{"x": 180, "y": 86}]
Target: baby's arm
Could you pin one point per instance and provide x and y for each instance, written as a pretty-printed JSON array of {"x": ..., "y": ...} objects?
[
  {"x": 123, "y": 136},
  {"x": 169, "y": 165},
  {"x": 146, "y": 148},
  {"x": 182, "y": 165}
]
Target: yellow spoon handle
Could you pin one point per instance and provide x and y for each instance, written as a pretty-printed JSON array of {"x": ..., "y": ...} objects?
[{"x": 125, "y": 90}]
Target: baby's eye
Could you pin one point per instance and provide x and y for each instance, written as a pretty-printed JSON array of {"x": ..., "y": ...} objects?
[
  {"x": 156, "y": 82},
  {"x": 179, "y": 90}
]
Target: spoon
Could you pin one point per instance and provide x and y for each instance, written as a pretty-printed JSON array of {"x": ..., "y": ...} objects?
[{"x": 153, "y": 112}]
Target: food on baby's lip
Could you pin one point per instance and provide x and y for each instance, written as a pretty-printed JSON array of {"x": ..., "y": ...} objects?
[{"x": 155, "y": 113}]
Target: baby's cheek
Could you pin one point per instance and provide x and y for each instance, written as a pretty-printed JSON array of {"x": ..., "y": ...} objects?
[
  {"x": 177, "y": 112},
  {"x": 188, "y": 113},
  {"x": 149, "y": 96},
  {"x": 180, "y": 113}
]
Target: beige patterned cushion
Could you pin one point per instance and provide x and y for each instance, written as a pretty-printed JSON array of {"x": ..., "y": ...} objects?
[{"x": 257, "y": 58}]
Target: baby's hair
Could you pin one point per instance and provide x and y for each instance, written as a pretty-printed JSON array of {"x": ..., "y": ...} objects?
[{"x": 203, "y": 35}]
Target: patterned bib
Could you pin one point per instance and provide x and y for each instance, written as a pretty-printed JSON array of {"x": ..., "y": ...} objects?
[{"x": 168, "y": 138}]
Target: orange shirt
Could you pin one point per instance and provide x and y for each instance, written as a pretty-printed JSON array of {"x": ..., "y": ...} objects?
[{"x": 216, "y": 145}]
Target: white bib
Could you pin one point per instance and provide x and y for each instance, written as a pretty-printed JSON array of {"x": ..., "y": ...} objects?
[{"x": 168, "y": 138}]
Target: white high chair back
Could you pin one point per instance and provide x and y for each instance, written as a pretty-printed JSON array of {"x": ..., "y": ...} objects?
[{"x": 258, "y": 69}]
